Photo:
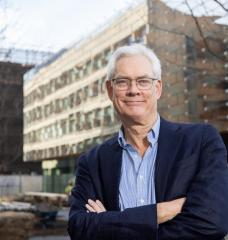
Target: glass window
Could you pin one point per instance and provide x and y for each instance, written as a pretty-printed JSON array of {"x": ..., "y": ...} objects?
[
  {"x": 107, "y": 116},
  {"x": 86, "y": 93},
  {"x": 79, "y": 97},
  {"x": 64, "y": 126},
  {"x": 88, "y": 120},
  {"x": 72, "y": 122},
  {"x": 95, "y": 88}
]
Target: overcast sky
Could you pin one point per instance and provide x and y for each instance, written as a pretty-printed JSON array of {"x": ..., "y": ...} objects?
[{"x": 54, "y": 24}]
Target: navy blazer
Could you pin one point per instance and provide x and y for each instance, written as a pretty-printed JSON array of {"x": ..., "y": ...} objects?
[{"x": 191, "y": 161}]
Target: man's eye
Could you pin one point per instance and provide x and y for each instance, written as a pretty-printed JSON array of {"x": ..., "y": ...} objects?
[
  {"x": 144, "y": 82},
  {"x": 121, "y": 82}
]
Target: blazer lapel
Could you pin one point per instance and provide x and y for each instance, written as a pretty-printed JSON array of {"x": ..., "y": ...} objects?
[
  {"x": 110, "y": 168},
  {"x": 168, "y": 144}
]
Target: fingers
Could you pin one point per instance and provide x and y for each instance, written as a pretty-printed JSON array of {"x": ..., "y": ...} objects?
[
  {"x": 99, "y": 203},
  {"x": 89, "y": 208},
  {"x": 95, "y": 206},
  {"x": 180, "y": 202},
  {"x": 168, "y": 210},
  {"x": 178, "y": 205}
]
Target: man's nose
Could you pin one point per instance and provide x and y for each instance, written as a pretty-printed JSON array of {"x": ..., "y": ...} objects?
[{"x": 133, "y": 87}]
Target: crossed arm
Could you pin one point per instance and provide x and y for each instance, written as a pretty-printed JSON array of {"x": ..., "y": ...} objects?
[{"x": 165, "y": 210}]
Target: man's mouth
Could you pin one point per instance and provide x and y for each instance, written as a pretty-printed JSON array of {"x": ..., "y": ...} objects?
[{"x": 133, "y": 103}]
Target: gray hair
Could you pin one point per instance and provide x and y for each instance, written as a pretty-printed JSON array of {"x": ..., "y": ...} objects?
[{"x": 132, "y": 50}]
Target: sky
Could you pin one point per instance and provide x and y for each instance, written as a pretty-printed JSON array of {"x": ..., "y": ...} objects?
[{"x": 54, "y": 24}]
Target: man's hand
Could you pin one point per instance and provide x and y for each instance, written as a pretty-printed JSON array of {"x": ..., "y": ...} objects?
[
  {"x": 168, "y": 210},
  {"x": 95, "y": 206}
]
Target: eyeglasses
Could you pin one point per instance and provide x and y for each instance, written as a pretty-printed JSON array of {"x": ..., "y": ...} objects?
[{"x": 142, "y": 83}]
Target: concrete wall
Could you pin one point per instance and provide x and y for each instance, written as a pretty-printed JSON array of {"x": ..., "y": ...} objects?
[{"x": 18, "y": 184}]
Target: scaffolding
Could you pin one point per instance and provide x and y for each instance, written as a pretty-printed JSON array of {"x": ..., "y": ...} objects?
[{"x": 24, "y": 56}]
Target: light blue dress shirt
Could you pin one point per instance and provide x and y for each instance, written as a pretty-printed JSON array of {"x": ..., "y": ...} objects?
[{"x": 137, "y": 173}]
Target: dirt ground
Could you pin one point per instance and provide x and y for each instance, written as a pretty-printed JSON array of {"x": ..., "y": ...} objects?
[{"x": 16, "y": 225}]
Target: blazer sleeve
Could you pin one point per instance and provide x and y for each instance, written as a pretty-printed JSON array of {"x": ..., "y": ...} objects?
[
  {"x": 133, "y": 223},
  {"x": 205, "y": 212}
]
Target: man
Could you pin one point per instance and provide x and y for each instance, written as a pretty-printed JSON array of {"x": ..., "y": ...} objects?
[{"x": 154, "y": 179}]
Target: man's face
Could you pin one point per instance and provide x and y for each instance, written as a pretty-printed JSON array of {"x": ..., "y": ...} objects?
[{"x": 133, "y": 104}]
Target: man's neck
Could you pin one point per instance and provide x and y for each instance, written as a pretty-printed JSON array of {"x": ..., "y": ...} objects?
[{"x": 136, "y": 134}]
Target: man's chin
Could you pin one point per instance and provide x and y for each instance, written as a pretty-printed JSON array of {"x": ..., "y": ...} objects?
[{"x": 134, "y": 116}]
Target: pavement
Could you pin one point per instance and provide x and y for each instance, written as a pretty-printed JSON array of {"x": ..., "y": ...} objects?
[
  {"x": 60, "y": 238},
  {"x": 50, "y": 238}
]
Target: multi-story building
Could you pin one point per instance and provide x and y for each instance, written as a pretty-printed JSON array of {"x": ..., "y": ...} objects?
[{"x": 66, "y": 109}]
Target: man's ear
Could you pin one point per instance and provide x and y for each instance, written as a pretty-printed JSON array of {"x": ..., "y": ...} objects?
[
  {"x": 109, "y": 88},
  {"x": 158, "y": 88}
]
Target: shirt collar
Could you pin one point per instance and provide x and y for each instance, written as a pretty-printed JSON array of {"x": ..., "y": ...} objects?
[{"x": 152, "y": 135}]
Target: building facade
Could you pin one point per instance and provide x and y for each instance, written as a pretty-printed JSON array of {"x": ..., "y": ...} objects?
[
  {"x": 194, "y": 55},
  {"x": 66, "y": 108}
]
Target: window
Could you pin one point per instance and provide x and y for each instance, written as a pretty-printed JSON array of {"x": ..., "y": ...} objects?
[
  {"x": 88, "y": 120},
  {"x": 88, "y": 67},
  {"x": 102, "y": 84},
  {"x": 64, "y": 126},
  {"x": 71, "y": 123},
  {"x": 79, "y": 97},
  {"x": 65, "y": 103},
  {"x": 71, "y": 100},
  {"x": 79, "y": 120},
  {"x": 189, "y": 74},
  {"x": 86, "y": 93},
  {"x": 71, "y": 76},
  {"x": 97, "y": 64},
  {"x": 191, "y": 49},
  {"x": 95, "y": 88},
  {"x": 52, "y": 85},
  {"x": 107, "y": 54},
  {"x": 97, "y": 118},
  {"x": 107, "y": 116}
]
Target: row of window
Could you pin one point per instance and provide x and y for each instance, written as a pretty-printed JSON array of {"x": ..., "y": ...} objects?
[
  {"x": 74, "y": 123},
  {"x": 65, "y": 149},
  {"x": 82, "y": 70},
  {"x": 68, "y": 77},
  {"x": 62, "y": 104},
  {"x": 197, "y": 50}
]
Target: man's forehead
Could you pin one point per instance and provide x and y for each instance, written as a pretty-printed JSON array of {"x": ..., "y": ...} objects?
[
  {"x": 139, "y": 57},
  {"x": 137, "y": 63}
]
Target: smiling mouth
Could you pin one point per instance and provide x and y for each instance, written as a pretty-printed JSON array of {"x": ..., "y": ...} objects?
[{"x": 134, "y": 102}]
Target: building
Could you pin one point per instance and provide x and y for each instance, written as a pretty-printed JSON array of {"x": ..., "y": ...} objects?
[
  {"x": 66, "y": 109},
  {"x": 13, "y": 64},
  {"x": 194, "y": 56},
  {"x": 11, "y": 120}
]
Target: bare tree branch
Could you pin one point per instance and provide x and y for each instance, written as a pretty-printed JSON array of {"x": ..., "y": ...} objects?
[
  {"x": 221, "y": 5},
  {"x": 201, "y": 32}
]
